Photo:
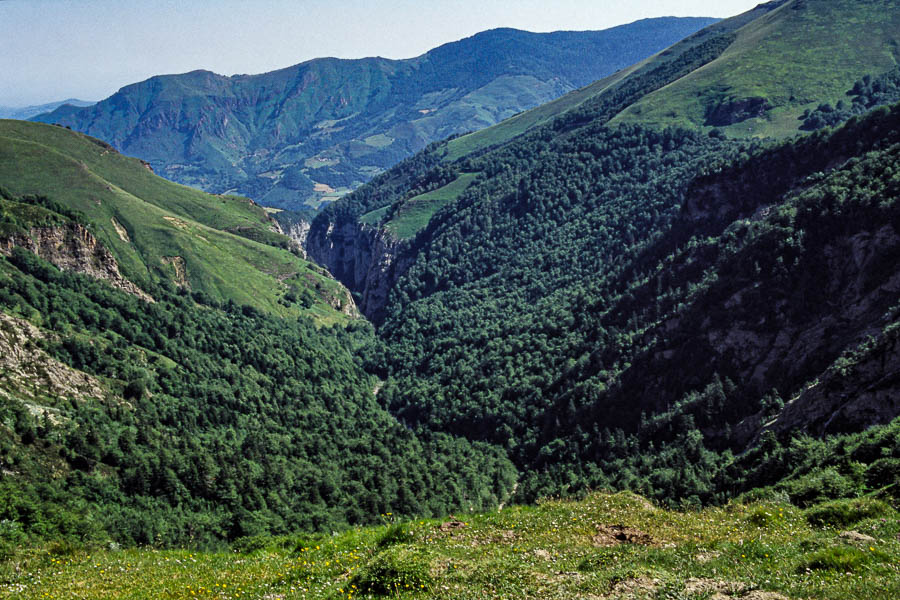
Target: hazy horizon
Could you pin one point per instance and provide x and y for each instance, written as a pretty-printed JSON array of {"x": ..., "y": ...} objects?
[{"x": 88, "y": 49}]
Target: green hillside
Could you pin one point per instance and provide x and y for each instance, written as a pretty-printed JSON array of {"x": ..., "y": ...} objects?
[
  {"x": 605, "y": 298},
  {"x": 814, "y": 45},
  {"x": 568, "y": 303},
  {"x": 415, "y": 213},
  {"x": 610, "y": 546},
  {"x": 313, "y": 132},
  {"x": 798, "y": 55},
  {"x": 188, "y": 421},
  {"x": 222, "y": 246}
]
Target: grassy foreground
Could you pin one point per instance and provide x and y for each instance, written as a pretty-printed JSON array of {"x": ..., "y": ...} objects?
[{"x": 605, "y": 546}]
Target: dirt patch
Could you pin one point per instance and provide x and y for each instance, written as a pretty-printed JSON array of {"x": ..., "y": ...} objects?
[
  {"x": 451, "y": 526},
  {"x": 613, "y": 535},
  {"x": 646, "y": 588},
  {"x": 761, "y": 595},
  {"x": 176, "y": 222},
  {"x": 855, "y": 536},
  {"x": 636, "y": 588},
  {"x": 698, "y": 587},
  {"x": 123, "y": 233},
  {"x": 177, "y": 263},
  {"x": 323, "y": 188}
]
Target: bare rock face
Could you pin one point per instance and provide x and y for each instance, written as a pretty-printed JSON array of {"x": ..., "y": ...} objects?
[
  {"x": 367, "y": 260},
  {"x": 30, "y": 374},
  {"x": 388, "y": 263},
  {"x": 299, "y": 232},
  {"x": 73, "y": 248}
]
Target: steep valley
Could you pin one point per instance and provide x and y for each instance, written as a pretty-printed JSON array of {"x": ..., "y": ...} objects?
[{"x": 576, "y": 354}]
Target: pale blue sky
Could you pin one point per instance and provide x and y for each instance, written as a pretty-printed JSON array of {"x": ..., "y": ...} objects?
[{"x": 56, "y": 49}]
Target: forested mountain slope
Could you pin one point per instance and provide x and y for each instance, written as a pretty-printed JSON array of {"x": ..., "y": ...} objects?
[
  {"x": 186, "y": 420},
  {"x": 592, "y": 284},
  {"x": 570, "y": 302},
  {"x": 317, "y": 129},
  {"x": 617, "y": 304},
  {"x": 353, "y": 238}
]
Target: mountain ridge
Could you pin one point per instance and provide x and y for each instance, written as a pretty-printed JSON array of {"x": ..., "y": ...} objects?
[
  {"x": 315, "y": 130},
  {"x": 26, "y": 112},
  {"x": 162, "y": 233}
]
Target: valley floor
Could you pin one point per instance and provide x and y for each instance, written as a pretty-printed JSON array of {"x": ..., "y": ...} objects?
[{"x": 603, "y": 547}]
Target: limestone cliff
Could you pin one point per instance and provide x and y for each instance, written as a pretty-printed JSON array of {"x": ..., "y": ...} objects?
[
  {"x": 73, "y": 248},
  {"x": 365, "y": 259},
  {"x": 298, "y": 232}
]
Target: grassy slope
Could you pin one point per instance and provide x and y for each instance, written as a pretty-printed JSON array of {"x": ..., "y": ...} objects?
[
  {"x": 547, "y": 551},
  {"x": 416, "y": 212},
  {"x": 373, "y": 217},
  {"x": 802, "y": 53},
  {"x": 231, "y": 213},
  {"x": 157, "y": 216},
  {"x": 519, "y": 124}
]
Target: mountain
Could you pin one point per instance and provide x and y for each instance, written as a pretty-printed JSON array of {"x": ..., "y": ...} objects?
[
  {"x": 26, "y": 112},
  {"x": 562, "y": 303},
  {"x": 795, "y": 57},
  {"x": 603, "y": 297},
  {"x": 816, "y": 46},
  {"x": 316, "y": 130},
  {"x": 225, "y": 247},
  {"x": 171, "y": 369}
]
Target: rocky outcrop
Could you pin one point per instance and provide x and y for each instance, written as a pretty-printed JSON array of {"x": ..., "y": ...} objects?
[
  {"x": 73, "y": 248},
  {"x": 390, "y": 259},
  {"x": 367, "y": 260},
  {"x": 851, "y": 396},
  {"x": 825, "y": 327},
  {"x": 298, "y": 232},
  {"x": 735, "y": 110},
  {"x": 32, "y": 376}
]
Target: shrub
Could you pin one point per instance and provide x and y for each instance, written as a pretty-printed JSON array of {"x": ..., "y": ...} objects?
[
  {"x": 821, "y": 485},
  {"x": 845, "y": 513},
  {"x": 11, "y": 537},
  {"x": 397, "y": 569},
  {"x": 251, "y": 544},
  {"x": 883, "y": 472},
  {"x": 843, "y": 559},
  {"x": 398, "y": 533}
]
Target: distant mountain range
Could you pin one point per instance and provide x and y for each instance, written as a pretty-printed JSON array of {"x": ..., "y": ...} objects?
[
  {"x": 316, "y": 130},
  {"x": 26, "y": 112}
]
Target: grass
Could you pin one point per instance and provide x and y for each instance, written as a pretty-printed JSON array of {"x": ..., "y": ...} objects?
[
  {"x": 416, "y": 212},
  {"x": 805, "y": 51},
  {"x": 222, "y": 239},
  {"x": 552, "y": 550},
  {"x": 375, "y": 216},
  {"x": 514, "y": 126},
  {"x": 227, "y": 213}
]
